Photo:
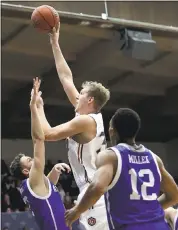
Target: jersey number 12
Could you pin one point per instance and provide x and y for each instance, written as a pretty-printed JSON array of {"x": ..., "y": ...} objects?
[{"x": 134, "y": 177}]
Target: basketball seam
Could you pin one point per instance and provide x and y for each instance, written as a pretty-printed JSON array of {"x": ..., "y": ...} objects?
[
  {"x": 44, "y": 19},
  {"x": 52, "y": 15}
]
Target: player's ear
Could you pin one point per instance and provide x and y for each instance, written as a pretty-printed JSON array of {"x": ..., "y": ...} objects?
[
  {"x": 25, "y": 172},
  {"x": 111, "y": 131},
  {"x": 91, "y": 99}
]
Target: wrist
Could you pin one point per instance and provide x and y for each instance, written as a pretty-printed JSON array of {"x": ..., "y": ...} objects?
[
  {"x": 55, "y": 44},
  {"x": 40, "y": 107},
  {"x": 78, "y": 209},
  {"x": 32, "y": 105}
]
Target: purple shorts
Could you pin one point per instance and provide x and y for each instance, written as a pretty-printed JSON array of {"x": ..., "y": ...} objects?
[{"x": 157, "y": 225}]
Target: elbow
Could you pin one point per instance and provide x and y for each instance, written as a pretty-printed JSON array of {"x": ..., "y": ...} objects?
[
  {"x": 176, "y": 198},
  {"x": 51, "y": 136},
  {"x": 173, "y": 198},
  {"x": 38, "y": 138}
]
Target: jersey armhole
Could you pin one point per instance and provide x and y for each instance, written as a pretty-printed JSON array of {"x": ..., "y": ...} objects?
[
  {"x": 156, "y": 163},
  {"x": 37, "y": 196},
  {"x": 95, "y": 123},
  {"x": 119, "y": 167}
]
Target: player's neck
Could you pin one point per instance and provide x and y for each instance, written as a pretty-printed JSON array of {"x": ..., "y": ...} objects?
[
  {"x": 130, "y": 142},
  {"x": 88, "y": 111}
]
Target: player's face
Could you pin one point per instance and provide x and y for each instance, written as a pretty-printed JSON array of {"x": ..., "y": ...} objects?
[
  {"x": 112, "y": 134},
  {"x": 83, "y": 101},
  {"x": 26, "y": 164}
]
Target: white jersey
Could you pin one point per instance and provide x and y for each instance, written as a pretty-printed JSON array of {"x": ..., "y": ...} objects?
[
  {"x": 82, "y": 159},
  {"x": 82, "y": 156}
]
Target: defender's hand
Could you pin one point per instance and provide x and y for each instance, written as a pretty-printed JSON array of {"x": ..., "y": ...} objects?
[
  {"x": 36, "y": 98},
  {"x": 62, "y": 167},
  {"x": 35, "y": 91}
]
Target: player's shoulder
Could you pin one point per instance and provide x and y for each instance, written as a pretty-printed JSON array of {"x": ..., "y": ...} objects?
[
  {"x": 158, "y": 159},
  {"x": 106, "y": 156},
  {"x": 84, "y": 120},
  {"x": 108, "y": 153}
]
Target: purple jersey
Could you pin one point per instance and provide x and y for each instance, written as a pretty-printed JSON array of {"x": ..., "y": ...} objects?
[
  {"x": 132, "y": 196},
  {"x": 49, "y": 210}
]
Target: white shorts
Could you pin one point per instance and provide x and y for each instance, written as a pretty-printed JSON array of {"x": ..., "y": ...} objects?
[{"x": 96, "y": 217}]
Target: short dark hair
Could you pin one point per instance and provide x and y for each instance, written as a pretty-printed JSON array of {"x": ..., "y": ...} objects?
[
  {"x": 126, "y": 122},
  {"x": 16, "y": 169}
]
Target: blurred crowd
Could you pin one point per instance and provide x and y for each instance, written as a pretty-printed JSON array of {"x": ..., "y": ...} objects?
[{"x": 11, "y": 200}]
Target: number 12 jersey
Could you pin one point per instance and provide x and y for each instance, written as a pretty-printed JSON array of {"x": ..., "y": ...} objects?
[{"x": 132, "y": 195}]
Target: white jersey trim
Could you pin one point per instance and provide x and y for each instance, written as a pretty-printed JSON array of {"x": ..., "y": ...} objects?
[
  {"x": 37, "y": 196},
  {"x": 139, "y": 150},
  {"x": 175, "y": 220},
  {"x": 156, "y": 163},
  {"x": 108, "y": 209},
  {"x": 119, "y": 168},
  {"x": 52, "y": 214}
]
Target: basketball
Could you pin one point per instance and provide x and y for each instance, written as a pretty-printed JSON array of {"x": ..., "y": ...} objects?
[{"x": 44, "y": 18}]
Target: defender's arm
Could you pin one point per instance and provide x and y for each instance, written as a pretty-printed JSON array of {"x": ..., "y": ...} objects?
[{"x": 36, "y": 175}]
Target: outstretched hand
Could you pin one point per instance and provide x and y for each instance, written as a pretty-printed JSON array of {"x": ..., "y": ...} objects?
[
  {"x": 54, "y": 35},
  {"x": 35, "y": 91},
  {"x": 36, "y": 98}
]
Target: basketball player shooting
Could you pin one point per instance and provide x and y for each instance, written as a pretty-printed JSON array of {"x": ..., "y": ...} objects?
[
  {"x": 171, "y": 215},
  {"x": 37, "y": 190},
  {"x": 85, "y": 132},
  {"x": 131, "y": 176}
]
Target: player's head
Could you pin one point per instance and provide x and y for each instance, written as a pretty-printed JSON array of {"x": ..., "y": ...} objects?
[
  {"x": 20, "y": 166},
  {"x": 92, "y": 97},
  {"x": 124, "y": 125}
]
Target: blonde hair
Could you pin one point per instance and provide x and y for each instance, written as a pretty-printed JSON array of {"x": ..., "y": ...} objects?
[{"x": 98, "y": 91}]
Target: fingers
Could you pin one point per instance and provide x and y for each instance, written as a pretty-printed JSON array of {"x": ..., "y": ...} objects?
[
  {"x": 62, "y": 167},
  {"x": 59, "y": 168},
  {"x": 36, "y": 85},
  {"x": 67, "y": 219},
  {"x": 58, "y": 27},
  {"x": 66, "y": 166},
  {"x": 54, "y": 30}
]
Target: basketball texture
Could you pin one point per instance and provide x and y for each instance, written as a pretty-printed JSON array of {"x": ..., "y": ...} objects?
[{"x": 44, "y": 18}]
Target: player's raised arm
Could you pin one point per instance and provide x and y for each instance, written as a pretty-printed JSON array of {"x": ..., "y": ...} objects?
[
  {"x": 106, "y": 164},
  {"x": 36, "y": 175},
  {"x": 168, "y": 187},
  {"x": 63, "y": 70}
]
